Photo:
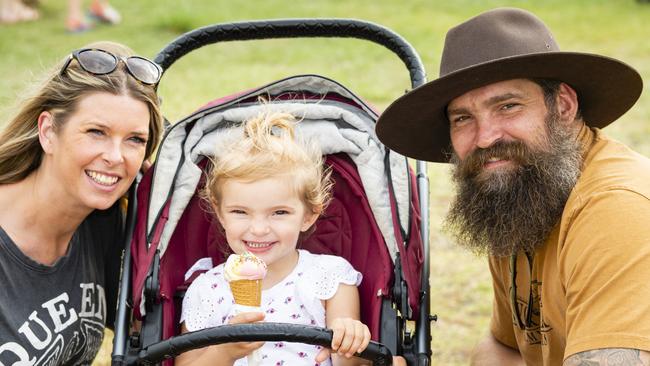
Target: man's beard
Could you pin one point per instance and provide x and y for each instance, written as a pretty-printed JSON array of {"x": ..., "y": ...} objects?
[{"x": 516, "y": 208}]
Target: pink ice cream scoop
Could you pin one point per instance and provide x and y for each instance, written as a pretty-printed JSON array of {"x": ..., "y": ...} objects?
[{"x": 244, "y": 267}]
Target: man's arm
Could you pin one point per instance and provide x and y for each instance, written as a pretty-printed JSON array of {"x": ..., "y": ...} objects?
[
  {"x": 609, "y": 356},
  {"x": 492, "y": 352}
]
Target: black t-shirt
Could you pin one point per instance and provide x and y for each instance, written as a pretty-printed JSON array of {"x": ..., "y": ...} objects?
[{"x": 55, "y": 315}]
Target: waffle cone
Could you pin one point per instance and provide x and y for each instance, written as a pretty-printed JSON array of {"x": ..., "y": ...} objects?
[{"x": 247, "y": 292}]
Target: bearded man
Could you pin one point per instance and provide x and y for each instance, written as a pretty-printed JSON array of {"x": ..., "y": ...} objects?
[{"x": 562, "y": 210}]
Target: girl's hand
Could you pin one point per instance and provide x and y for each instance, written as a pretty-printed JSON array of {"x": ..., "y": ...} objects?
[
  {"x": 238, "y": 350},
  {"x": 223, "y": 354},
  {"x": 350, "y": 336}
]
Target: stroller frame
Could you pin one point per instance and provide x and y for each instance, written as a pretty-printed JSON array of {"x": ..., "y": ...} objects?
[{"x": 146, "y": 348}]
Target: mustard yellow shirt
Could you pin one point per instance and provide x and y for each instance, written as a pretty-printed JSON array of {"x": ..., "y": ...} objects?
[{"x": 591, "y": 278}]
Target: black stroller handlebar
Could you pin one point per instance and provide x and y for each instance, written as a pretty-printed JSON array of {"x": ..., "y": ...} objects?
[
  {"x": 267, "y": 332},
  {"x": 295, "y": 28}
]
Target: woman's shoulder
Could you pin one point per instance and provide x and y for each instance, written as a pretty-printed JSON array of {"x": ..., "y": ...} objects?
[
  {"x": 105, "y": 227},
  {"x": 109, "y": 218}
]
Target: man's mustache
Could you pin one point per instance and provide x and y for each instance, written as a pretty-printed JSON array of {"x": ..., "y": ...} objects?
[{"x": 515, "y": 151}]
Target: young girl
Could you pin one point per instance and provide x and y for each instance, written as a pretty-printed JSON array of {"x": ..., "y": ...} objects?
[{"x": 267, "y": 190}]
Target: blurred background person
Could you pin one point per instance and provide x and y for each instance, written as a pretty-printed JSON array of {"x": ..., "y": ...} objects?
[
  {"x": 14, "y": 11},
  {"x": 99, "y": 10}
]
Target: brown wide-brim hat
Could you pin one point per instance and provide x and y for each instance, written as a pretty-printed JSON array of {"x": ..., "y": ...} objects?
[{"x": 498, "y": 45}]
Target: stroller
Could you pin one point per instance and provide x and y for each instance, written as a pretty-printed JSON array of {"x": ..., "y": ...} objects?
[{"x": 377, "y": 220}]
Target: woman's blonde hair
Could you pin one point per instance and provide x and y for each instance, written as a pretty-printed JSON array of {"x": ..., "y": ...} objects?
[
  {"x": 59, "y": 94},
  {"x": 269, "y": 149}
]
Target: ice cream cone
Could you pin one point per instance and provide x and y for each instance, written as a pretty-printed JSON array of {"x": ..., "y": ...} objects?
[
  {"x": 245, "y": 273},
  {"x": 247, "y": 292}
]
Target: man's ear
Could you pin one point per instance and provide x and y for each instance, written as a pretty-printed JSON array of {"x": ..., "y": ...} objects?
[
  {"x": 46, "y": 133},
  {"x": 567, "y": 103}
]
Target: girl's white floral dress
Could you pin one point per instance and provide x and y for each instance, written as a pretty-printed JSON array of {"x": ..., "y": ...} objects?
[{"x": 297, "y": 299}]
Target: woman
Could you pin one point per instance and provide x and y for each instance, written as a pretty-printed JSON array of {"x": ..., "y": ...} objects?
[{"x": 66, "y": 158}]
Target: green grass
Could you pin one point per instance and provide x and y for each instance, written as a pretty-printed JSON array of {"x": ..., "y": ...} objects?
[{"x": 461, "y": 288}]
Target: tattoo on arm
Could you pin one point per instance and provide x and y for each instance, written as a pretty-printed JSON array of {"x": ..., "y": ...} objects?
[{"x": 608, "y": 357}]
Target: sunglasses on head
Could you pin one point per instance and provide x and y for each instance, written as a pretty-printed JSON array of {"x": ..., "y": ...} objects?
[{"x": 100, "y": 62}]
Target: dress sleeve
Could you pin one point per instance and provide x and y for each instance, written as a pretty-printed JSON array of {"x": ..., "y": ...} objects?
[
  {"x": 328, "y": 272},
  {"x": 605, "y": 267},
  {"x": 205, "y": 300}
]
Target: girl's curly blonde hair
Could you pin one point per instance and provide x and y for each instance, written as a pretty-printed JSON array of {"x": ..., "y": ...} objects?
[{"x": 270, "y": 149}]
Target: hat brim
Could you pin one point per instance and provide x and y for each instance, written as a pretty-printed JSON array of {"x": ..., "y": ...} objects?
[{"x": 416, "y": 124}]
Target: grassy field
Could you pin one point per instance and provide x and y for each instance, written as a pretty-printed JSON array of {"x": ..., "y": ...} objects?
[{"x": 461, "y": 289}]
